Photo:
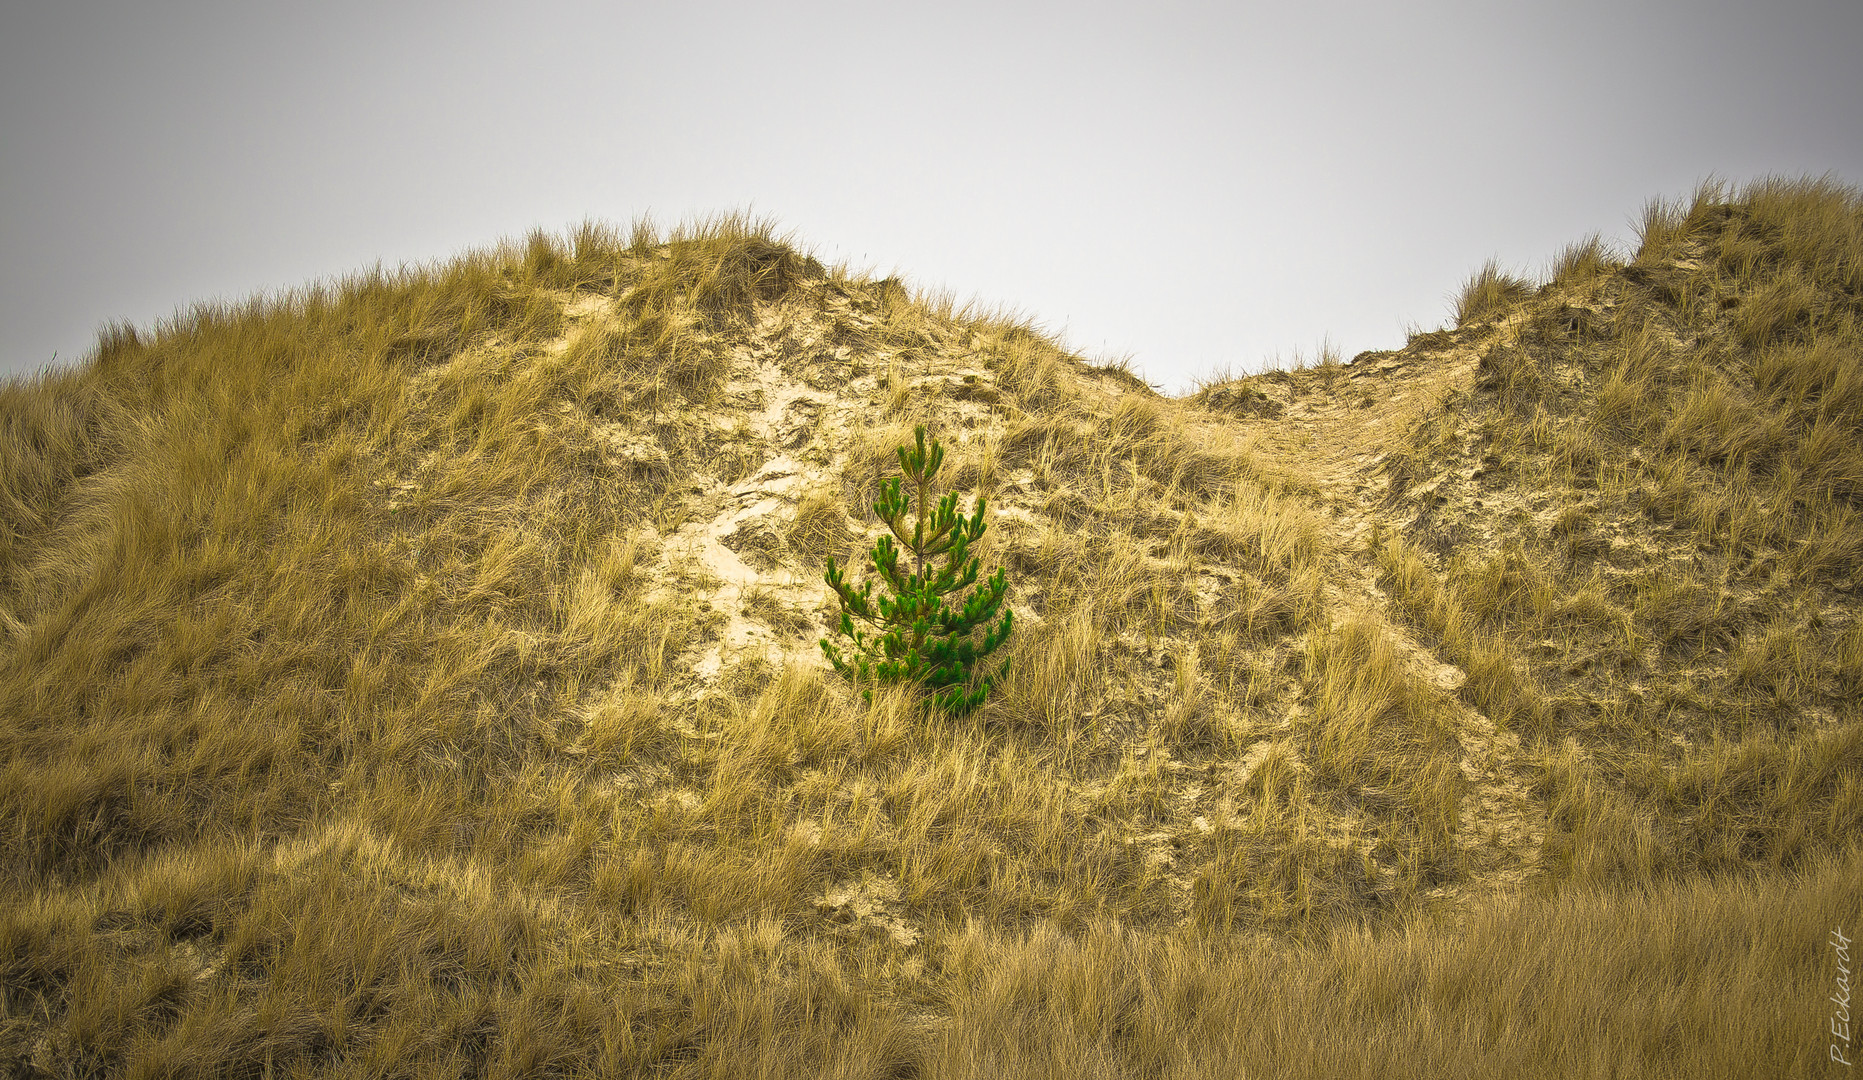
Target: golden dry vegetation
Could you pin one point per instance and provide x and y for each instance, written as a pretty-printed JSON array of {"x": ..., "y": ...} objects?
[{"x": 417, "y": 677}]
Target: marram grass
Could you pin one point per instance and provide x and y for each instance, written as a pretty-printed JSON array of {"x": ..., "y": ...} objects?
[{"x": 355, "y": 717}]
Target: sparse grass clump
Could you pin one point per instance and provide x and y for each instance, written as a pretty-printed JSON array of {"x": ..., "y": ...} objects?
[
  {"x": 1582, "y": 261},
  {"x": 1487, "y": 292}
]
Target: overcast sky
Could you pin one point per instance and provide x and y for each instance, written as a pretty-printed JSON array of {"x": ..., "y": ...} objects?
[{"x": 1199, "y": 186}]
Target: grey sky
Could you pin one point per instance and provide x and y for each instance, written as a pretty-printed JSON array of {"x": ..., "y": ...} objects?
[{"x": 1201, "y": 186}]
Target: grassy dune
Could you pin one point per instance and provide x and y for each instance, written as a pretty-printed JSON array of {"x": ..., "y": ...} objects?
[{"x": 416, "y": 676}]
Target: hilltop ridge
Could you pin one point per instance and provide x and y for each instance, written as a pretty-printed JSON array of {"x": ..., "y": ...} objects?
[{"x": 419, "y": 675}]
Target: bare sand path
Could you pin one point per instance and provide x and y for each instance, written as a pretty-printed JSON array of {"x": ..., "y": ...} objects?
[{"x": 1335, "y": 428}]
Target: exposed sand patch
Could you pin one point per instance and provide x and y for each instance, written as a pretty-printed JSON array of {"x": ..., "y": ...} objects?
[{"x": 704, "y": 557}]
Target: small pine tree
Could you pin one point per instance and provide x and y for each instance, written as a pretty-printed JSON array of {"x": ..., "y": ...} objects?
[{"x": 923, "y": 640}]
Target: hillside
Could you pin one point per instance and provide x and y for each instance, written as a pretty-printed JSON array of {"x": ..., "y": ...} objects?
[{"x": 418, "y": 676}]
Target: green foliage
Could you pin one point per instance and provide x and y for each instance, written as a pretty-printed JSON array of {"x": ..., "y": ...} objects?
[{"x": 922, "y": 640}]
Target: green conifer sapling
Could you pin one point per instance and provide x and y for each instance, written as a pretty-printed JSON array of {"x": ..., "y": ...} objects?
[{"x": 922, "y": 640}]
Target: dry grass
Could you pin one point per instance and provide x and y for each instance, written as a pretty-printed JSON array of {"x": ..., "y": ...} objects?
[
  {"x": 365, "y": 712},
  {"x": 1583, "y": 260},
  {"x": 1677, "y": 592},
  {"x": 1488, "y": 292}
]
